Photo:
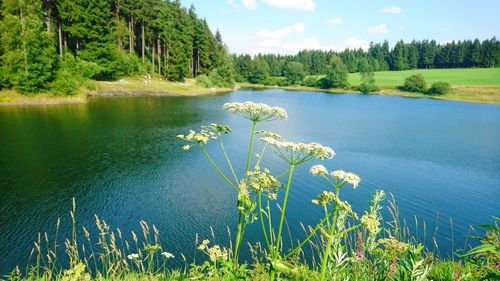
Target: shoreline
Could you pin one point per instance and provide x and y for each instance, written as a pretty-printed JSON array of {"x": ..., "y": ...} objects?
[{"x": 189, "y": 89}]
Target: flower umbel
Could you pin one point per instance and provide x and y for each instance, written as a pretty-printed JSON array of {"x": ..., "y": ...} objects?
[
  {"x": 262, "y": 181},
  {"x": 256, "y": 112},
  {"x": 346, "y": 177},
  {"x": 318, "y": 170},
  {"x": 296, "y": 153},
  {"x": 168, "y": 255},
  {"x": 371, "y": 223}
]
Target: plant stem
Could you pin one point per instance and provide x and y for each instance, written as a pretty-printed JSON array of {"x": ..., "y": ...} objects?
[
  {"x": 328, "y": 248},
  {"x": 250, "y": 148},
  {"x": 285, "y": 200},
  {"x": 217, "y": 168},
  {"x": 239, "y": 233},
  {"x": 228, "y": 161},
  {"x": 262, "y": 223},
  {"x": 318, "y": 226}
]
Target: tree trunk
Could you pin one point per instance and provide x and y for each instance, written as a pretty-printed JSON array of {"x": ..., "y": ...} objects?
[
  {"x": 25, "y": 52},
  {"x": 130, "y": 37},
  {"x": 158, "y": 46},
  {"x": 142, "y": 38},
  {"x": 59, "y": 31},
  {"x": 153, "y": 58}
]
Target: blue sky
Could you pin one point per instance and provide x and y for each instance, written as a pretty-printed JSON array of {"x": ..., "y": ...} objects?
[{"x": 286, "y": 26}]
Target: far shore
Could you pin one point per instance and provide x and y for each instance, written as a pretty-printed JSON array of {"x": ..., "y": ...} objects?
[{"x": 133, "y": 86}]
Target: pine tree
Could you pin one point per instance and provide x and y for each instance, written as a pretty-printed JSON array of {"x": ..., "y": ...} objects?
[{"x": 29, "y": 57}]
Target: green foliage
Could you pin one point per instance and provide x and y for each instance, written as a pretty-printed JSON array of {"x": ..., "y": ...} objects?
[
  {"x": 294, "y": 72},
  {"x": 69, "y": 76},
  {"x": 276, "y": 81},
  {"x": 367, "y": 80},
  {"x": 439, "y": 88},
  {"x": 223, "y": 76},
  {"x": 336, "y": 76},
  {"x": 259, "y": 71},
  {"x": 415, "y": 83},
  {"x": 29, "y": 59},
  {"x": 204, "y": 81},
  {"x": 311, "y": 81}
]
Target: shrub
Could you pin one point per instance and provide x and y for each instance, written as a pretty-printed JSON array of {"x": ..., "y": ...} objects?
[
  {"x": 311, "y": 81},
  {"x": 336, "y": 76},
  {"x": 415, "y": 83},
  {"x": 368, "y": 88},
  {"x": 276, "y": 81},
  {"x": 203, "y": 81},
  {"x": 69, "y": 76},
  {"x": 439, "y": 88}
]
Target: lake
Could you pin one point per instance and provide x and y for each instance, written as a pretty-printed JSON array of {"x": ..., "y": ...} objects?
[{"x": 120, "y": 158}]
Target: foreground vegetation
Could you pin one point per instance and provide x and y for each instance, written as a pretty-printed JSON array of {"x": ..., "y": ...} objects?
[{"x": 341, "y": 245}]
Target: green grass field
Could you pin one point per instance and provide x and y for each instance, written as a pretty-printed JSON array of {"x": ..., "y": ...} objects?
[{"x": 455, "y": 76}]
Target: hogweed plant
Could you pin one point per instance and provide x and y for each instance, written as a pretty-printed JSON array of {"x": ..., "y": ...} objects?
[{"x": 257, "y": 183}]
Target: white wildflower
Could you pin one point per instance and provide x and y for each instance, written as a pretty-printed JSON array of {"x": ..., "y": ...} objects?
[
  {"x": 269, "y": 134},
  {"x": 371, "y": 223},
  {"x": 297, "y": 152},
  {"x": 133, "y": 256},
  {"x": 256, "y": 112},
  {"x": 258, "y": 180},
  {"x": 207, "y": 133},
  {"x": 318, "y": 170},
  {"x": 168, "y": 255},
  {"x": 346, "y": 177}
]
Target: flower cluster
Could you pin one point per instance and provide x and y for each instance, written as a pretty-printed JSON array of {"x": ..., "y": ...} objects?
[
  {"x": 262, "y": 181},
  {"x": 318, "y": 170},
  {"x": 207, "y": 133},
  {"x": 393, "y": 245},
  {"x": 214, "y": 253},
  {"x": 297, "y": 152},
  {"x": 133, "y": 256},
  {"x": 269, "y": 134},
  {"x": 324, "y": 198},
  {"x": 327, "y": 196},
  {"x": 256, "y": 112},
  {"x": 168, "y": 255},
  {"x": 371, "y": 223},
  {"x": 346, "y": 177}
]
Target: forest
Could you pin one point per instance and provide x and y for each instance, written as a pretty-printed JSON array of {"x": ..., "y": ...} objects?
[
  {"x": 425, "y": 54},
  {"x": 57, "y": 45}
]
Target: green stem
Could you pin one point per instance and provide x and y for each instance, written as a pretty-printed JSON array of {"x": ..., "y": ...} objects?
[
  {"x": 328, "y": 249},
  {"x": 217, "y": 169},
  {"x": 261, "y": 154},
  {"x": 239, "y": 233},
  {"x": 262, "y": 222},
  {"x": 318, "y": 226},
  {"x": 228, "y": 161},
  {"x": 285, "y": 200},
  {"x": 249, "y": 157}
]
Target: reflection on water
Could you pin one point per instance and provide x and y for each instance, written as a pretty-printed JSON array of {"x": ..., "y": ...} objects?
[{"x": 120, "y": 159}]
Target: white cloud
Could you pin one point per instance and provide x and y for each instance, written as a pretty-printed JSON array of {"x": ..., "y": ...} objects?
[
  {"x": 233, "y": 4},
  {"x": 391, "y": 10},
  {"x": 306, "y": 44},
  {"x": 380, "y": 28},
  {"x": 250, "y": 4},
  {"x": 271, "y": 43},
  {"x": 302, "y": 5},
  {"x": 282, "y": 32},
  {"x": 356, "y": 43},
  {"x": 335, "y": 20}
]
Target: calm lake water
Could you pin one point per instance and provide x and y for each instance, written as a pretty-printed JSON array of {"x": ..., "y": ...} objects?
[{"x": 119, "y": 157}]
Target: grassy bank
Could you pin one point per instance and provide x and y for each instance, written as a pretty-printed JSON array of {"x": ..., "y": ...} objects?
[
  {"x": 129, "y": 86},
  {"x": 471, "y": 85}
]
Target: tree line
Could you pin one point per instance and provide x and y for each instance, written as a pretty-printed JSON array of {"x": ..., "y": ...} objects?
[
  {"x": 55, "y": 44},
  {"x": 379, "y": 57}
]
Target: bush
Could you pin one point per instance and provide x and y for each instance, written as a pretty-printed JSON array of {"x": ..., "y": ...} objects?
[
  {"x": 368, "y": 88},
  {"x": 415, "y": 83},
  {"x": 276, "y": 81},
  {"x": 70, "y": 75},
  {"x": 311, "y": 81},
  {"x": 439, "y": 88},
  {"x": 204, "y": 81}
]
